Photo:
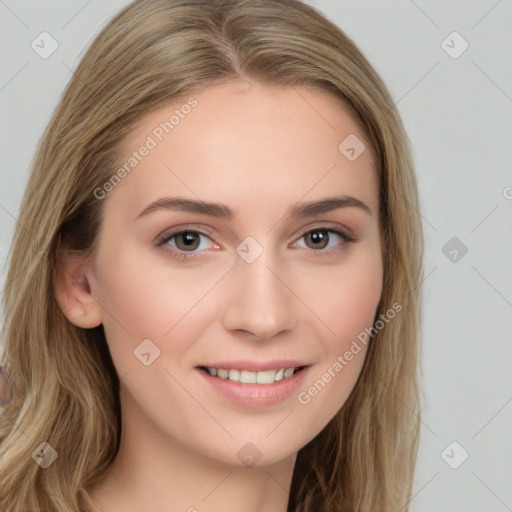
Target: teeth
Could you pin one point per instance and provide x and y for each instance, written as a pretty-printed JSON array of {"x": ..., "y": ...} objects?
[
  {"x": 266, "y": 377},
  {"x": 234, "y": 375},
  {"x": 279, "y": 374},
  {"x": 288, "y": 372},
  {"x": 248, "y": 377}
]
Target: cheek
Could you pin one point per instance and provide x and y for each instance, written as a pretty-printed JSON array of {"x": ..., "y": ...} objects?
[
  {"x": 349, "y": 297},
  {"x": 144, "y": 301},
  {"x": 352, "y": 302},
  {"x": 347, "y": 307}
]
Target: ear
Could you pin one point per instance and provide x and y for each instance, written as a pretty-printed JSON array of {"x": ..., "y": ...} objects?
[{"x": 72, "y": 289}]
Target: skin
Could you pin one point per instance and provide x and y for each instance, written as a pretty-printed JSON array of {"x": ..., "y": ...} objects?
[{"x": 260, "y": 150}]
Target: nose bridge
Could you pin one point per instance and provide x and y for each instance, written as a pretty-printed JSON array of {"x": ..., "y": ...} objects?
[{"x": 259, "y": 302}]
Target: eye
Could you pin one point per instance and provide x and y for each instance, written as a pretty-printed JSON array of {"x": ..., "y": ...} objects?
[
  {"x": 324, "y": 239},
  {"x": 186, "y": 241}
]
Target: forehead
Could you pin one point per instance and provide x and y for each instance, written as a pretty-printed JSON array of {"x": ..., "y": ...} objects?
[{"x": 238, "y": 138}]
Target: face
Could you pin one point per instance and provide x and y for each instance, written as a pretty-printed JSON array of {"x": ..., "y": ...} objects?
[{"x": 242, "y": 245}]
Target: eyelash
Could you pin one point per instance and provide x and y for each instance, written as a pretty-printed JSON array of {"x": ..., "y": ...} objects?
[
  {"x": 163, "y": 239},
  {"x": 179, "y": 255}
]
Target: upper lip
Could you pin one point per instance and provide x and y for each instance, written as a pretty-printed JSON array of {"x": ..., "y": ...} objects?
[{"x": 256, "y": 366}]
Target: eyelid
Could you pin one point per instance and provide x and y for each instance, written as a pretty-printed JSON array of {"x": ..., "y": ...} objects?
[
  {"x": 161, "y": 241},
  {"x": 176, "y": 230},
  {"x": 342, "y": 229}
]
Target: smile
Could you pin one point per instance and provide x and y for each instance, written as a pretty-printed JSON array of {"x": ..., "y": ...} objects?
[
  {"x": 252, "y": 377},
  {"x": 254, "y": 384}
]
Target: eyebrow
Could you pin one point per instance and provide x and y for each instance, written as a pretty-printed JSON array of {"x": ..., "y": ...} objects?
[
  {"x": 187, "y": 205},
  {"x": 327, "y": 205},
  {"x": 222, "y": 211}
]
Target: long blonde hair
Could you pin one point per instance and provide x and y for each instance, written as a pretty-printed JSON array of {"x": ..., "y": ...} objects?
[{"x": 153, "y": 53}]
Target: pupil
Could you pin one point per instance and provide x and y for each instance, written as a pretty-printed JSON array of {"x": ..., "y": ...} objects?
[
  {"x": 319, "y": 239},
  {"x": 188, "y": 241}
]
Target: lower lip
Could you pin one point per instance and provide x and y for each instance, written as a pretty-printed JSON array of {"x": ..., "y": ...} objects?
[{"x": 254, "y": 395}]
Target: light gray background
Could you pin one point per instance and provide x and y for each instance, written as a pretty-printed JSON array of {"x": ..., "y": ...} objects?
[{"x": 458, "y": 113}]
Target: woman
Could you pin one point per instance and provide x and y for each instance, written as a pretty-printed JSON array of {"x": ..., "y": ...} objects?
[{"x": 213, "y": 302}]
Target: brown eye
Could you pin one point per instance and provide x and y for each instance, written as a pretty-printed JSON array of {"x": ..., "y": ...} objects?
[
  {"x": 187, "y": 241},
  {"x": 317, "y": 239}
]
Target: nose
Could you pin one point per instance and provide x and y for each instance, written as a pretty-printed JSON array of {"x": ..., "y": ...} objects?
[{"x": 259, "y": 303}]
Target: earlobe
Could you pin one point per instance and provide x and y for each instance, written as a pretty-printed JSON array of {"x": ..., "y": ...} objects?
[{"x": 73, "y": 291}]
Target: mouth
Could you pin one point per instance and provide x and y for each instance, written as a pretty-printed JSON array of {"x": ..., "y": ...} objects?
[
  {"x": 264, "y": 377},
  {"x": 254, "y": 383}
]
